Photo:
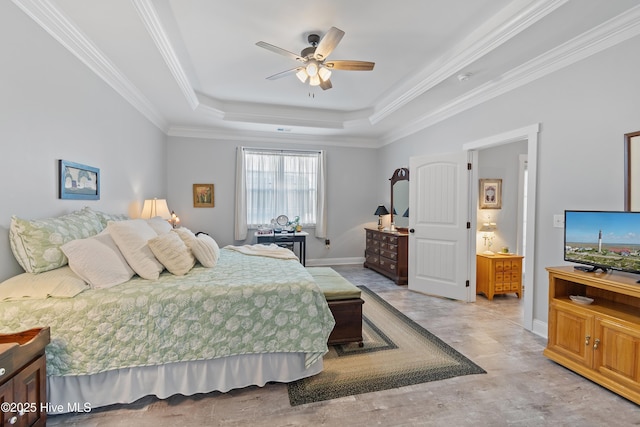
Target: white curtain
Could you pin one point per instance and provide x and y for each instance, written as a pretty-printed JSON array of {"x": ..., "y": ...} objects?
[
  {"x": 240, "y": 229},
  {"x": 270, "y": 183},
  {"x": 321, "y": 213}
]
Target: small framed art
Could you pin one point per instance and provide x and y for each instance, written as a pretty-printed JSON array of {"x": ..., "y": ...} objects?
[
  {"x": 203, "y": 195},
  {"x": 490, "y": 196},
  {"x": 78, "y": 182}
]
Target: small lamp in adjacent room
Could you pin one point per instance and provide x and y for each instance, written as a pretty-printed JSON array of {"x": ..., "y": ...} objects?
[
  {"x": 381, "y": 210},
  {"x": 488, "y": 229},
  {"x": 155, "y": 207}
]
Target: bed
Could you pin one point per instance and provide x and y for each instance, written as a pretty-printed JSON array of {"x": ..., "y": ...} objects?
[{"x": 251, "y": 319}]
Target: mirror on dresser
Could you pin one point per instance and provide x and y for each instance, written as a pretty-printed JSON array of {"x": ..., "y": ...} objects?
[{"x": 400, "y": 198}]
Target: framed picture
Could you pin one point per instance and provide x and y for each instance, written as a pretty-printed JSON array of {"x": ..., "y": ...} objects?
[
  {"x": 202, "y": 195},
  {"x": 490, "y": 196},
  {"x": 632, "y": 171},
  {"x": 79, "y": 182}
]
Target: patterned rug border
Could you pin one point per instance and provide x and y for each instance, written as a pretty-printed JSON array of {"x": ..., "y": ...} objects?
[
  {"x": 298, "y": 393},
  {"x": 340, "y": 348}
]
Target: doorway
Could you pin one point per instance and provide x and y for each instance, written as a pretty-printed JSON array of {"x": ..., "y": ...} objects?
[{"x": 529, "y": 134}]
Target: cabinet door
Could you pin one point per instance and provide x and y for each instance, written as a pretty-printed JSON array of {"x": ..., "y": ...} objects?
[
  {"x": 617, "y": 355},
  {"x": 6, "y": 395},
  {"x": 571, "y": 333},
  {"x": 29, "y": 386}
]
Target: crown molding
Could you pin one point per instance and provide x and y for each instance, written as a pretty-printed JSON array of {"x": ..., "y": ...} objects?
[
  {"x": 279, "y": 138},
  {"x": 54, "y": 22},
  {"x": 151, "y": 21},
  {"x": 606, "y": 35},
  {"x": 511, "y": 21},
  {"x": 496, "y": 32}
]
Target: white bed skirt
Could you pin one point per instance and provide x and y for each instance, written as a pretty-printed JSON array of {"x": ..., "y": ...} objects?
[{"x": 86, "y": 392}]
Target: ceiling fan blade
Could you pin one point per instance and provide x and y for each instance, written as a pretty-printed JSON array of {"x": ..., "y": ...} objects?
[
  {"x": 350, "y": 65},
  {"x": 325, "y": 84},
  {"x": 281, "y": 51},
  {"x": 328, "y": 43},
  {"x": 284, "y": 73}
]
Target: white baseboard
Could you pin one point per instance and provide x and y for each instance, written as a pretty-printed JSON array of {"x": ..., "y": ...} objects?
[
  {"x": 334, "y": 261},
  {"x": 540, "y": 328}
]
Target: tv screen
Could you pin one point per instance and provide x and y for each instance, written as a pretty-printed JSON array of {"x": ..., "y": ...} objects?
[{"x": 603, "y": 239}]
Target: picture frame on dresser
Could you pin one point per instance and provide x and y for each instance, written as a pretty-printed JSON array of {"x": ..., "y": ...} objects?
[{"x": 77, "y": 181}]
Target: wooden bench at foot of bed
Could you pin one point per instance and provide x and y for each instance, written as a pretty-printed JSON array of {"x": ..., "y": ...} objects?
[{"x": 344, "y": 302}]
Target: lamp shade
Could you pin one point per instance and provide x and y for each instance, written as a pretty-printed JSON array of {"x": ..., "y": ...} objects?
[
  {"x": 155, "y": 207},
  {"x": 488, "y": 227},
  {"x": 381, "y": 210}
]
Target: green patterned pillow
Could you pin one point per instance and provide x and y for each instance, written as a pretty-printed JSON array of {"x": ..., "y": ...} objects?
[
  {"x": 106, "y": 217},
  {"x": 36, "y": 244}
]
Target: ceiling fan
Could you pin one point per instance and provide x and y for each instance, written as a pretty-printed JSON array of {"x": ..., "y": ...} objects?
[{"x": 316, "y": 67}]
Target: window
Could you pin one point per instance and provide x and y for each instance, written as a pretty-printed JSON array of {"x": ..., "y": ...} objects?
[{"x": 281, "y": 183}]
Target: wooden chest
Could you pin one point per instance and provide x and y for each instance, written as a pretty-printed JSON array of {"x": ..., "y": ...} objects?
[{"x": 498, "y": 274}]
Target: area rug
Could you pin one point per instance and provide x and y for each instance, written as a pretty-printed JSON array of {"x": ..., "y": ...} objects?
[{"x": 397, "y": 352}]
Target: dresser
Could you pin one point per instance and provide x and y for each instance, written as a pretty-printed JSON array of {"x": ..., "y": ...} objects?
[
  {"x": 387, "y": 253},
  {"x": 23, "y": 381},
  {"x": 498, "y": 274}
]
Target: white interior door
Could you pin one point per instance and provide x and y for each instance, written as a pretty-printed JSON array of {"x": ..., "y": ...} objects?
[{"x": 439, "y": 243}]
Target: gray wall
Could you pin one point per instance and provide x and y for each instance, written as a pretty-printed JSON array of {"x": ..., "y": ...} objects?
[
  {"x": 584, "y": 111},
  {"x": 53, "y": 107},
  {"x": 350, "y": 190}
]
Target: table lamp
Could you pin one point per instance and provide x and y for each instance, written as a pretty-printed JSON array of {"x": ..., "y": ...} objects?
[{"x": 381, "y": 210}]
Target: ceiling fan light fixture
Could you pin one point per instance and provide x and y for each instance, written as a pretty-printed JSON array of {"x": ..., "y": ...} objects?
[
  {"x": 312, "y": 69},
  {"x": 314, "y": 80},
  {"x": 324, "y": 73},
  {"x": 302, "y": 75}
]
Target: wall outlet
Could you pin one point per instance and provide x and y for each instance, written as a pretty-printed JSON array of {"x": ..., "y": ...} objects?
[
  {"x": 327, "y": 243},
  {"x": 558, "y": 221}
]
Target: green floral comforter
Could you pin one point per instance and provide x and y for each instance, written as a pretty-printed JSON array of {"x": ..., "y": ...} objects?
[{"x": 245, "y": 305}]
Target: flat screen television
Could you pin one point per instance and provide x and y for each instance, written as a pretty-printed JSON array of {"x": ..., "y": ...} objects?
[{"x": 605, "y": 240}]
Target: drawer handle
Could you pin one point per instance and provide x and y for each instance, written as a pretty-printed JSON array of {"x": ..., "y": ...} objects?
[
  {"x": 13, "y": 420},
  {"x": 596, "y": 344},
  {"x": 587, "y": 339},
  {"x": 2, "y": 371}
]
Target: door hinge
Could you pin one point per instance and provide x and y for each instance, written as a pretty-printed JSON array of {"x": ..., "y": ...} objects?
[
  {"x": 466, "y": 284},
  {"x": 468, "y": 225},
  {"x": 468, "y": 166}
]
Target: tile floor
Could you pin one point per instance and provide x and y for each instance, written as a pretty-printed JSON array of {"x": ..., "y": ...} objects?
[{"x": 521, "y": 387}]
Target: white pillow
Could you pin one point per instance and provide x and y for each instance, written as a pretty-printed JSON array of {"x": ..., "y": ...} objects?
[
  {"x": 98, "y": 261},
  {"x": 186, "y": 235},
  {"x": 58, "y": 283},
  {"x": 206, "y": 250},
  {"x": 171, "y": 251},
  {"x": 159, "y": 225},
  {"x": 132, "y": 236}
]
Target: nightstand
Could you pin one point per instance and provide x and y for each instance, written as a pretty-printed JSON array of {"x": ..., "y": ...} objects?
[
  {"x": 498, "y": 274},
  {"x": 23, "y": 381}
]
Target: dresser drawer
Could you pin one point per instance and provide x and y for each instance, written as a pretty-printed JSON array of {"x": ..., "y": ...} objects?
[
  {"x": 372, "y": 258},
  {"x": 388, "y": 265},
  {"x": 392, "y": 255}
]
